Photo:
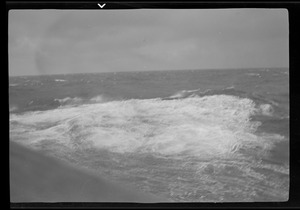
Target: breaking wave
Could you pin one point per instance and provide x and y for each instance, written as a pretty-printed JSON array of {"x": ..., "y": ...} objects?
[
  {"x": 205, "y": 127},
  {"x": 254, "y": 74},
  {"x": 80, "y": 101},
  {"x": 60, "y": 80},
  {"x": 190, "y": 148},
  {"x": 264, "y": 108}
]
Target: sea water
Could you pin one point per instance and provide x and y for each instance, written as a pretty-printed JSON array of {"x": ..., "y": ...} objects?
[{"x": 189, "y": 136}]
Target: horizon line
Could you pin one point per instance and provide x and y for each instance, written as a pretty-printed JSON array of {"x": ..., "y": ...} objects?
[{"x": 207, "y": 69}]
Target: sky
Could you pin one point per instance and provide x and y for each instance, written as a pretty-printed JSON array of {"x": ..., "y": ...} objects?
[{"x": 81, "y": 41}]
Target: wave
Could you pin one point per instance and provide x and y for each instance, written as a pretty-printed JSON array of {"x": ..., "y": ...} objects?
[
  {"x": 198, "y": 92},
  {"x": 69, "y": 100},
  {"x": 60, "y": 80},
  {"x": 264, "y": 107},
  {"x": 205, "y": 127},
  {"x": 79, "y": 101},
  {"x": 253, "y": 74},
  {"x": 266, "y": 110},
  {"x": 183, "y": 93}
]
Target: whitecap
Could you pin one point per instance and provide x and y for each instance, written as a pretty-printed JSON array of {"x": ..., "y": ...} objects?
[
  {"x": 69, "y": 100},
  {"x": 253, "y": 74},
  {"x": 60, "y": 80},
  {"x": 183, "y": 93},
  {"x": 97, "y": 99},
  {"x": 266, "y": 109},
  {"x": 229, "y": 88},
  {"x": 204, "y": 127},
  {"x": 79, "y": 101}
]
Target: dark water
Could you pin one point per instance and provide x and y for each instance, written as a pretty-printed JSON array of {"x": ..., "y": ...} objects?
[{"x": 215, "y": 135}]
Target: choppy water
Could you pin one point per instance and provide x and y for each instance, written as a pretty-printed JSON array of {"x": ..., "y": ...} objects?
[{"x": 203, "y": 136}]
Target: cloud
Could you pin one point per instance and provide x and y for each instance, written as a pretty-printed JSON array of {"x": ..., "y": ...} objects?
[
  {"x": 172, "y": 51},
  {"x": 69, "y": 41}
]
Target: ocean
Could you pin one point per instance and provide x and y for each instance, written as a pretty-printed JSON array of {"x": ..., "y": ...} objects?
[{"x": 184, "y": 135}]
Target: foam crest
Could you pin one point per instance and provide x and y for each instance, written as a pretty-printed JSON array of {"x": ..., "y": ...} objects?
[
  {"x": 97, "y": 99},
  {"x": 183, "y": 93},
  {"x": 60, "y": 80},
  {"x": 206, "y": 127},
  {"x": 79, "y": 101},
  {"x": 266, "y": 109},
  {"x": 253, "y": 74},
  {"x": 69, "y": 100}
]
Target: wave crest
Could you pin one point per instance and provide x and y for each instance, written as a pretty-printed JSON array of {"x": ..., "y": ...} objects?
[
  {"x": 206, "y": 127},
  {"x": 80, "y": 101}
]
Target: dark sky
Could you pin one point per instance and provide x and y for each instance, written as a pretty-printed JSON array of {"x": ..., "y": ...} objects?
[{"x": 79, "y": 41}]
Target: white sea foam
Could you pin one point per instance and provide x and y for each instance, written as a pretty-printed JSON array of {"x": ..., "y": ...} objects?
[
  {"x": 229, "y": 88},
  {"x": 254, "y": 74},
  {"x": 97, "y": 99},
  {"x": 179, "y": 94},
  {"x": 69, "y": 100},
  {"x": 78, "y": 100},
  {"x": 205, "y": 127},
  {"x": 183, "y": 93},
  {"x": 266, "y": 109},
  {"x": 60, "y": 80}
]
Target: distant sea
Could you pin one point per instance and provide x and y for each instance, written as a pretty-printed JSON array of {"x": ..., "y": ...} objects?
[{"x": 188, "y": 135}]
